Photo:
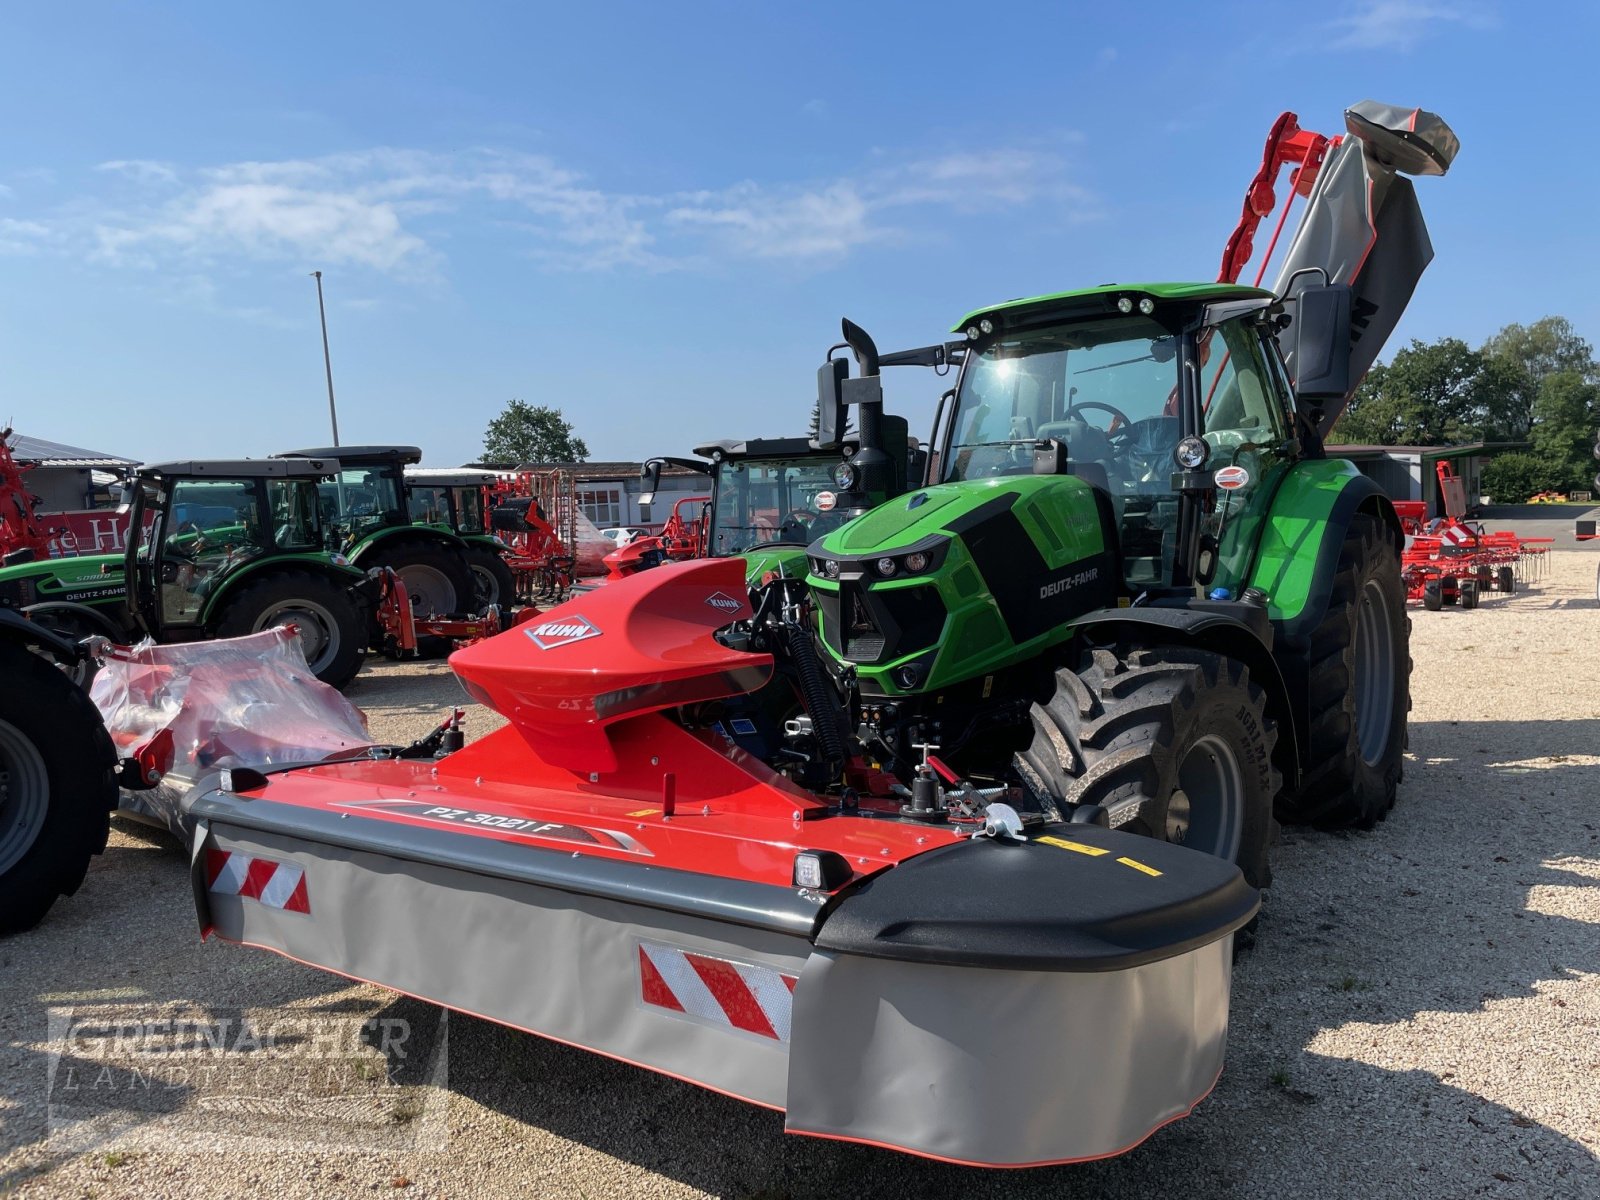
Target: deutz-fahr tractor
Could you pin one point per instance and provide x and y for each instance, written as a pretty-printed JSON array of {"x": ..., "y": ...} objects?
[
  {"x": 770, "y": 497},
  {"x": 454, "y": 501},
  {"x": 214, "y": 549},
  {"x": 368, "y": 521}
]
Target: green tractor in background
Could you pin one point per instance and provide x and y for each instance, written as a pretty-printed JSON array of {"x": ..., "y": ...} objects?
[
  {"x": 214, "y": 549},
  {"x": 454, "y": 501},
  {"x": 369, "y": 522},
  {"x": 771, "y": 497}
]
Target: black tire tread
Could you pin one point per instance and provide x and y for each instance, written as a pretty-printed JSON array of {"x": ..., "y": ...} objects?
[{"x": 239, "y": 617}]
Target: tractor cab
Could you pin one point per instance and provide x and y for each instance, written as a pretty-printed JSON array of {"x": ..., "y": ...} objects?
[
  {"x": 194, "y": 527},
  {"x": 367, "y": 494},
  {"x": 453, "y": 500}
]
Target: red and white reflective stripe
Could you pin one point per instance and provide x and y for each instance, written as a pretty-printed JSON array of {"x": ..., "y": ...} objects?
[
  {"x": 1456, "y": 535},
  {"x": 755, "y": 999},
  {"x": 274, "y": 884}
]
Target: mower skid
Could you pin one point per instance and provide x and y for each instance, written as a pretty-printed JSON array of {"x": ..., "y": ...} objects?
[{"x": 1064, "y": 1001}]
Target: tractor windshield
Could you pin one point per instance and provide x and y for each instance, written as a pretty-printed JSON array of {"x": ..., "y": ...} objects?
[
  {"x": 1107, "y": 389},
  {"x": 763, "y": 501}
]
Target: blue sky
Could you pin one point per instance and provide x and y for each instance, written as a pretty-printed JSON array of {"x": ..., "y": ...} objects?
[{"x": 653, "y": 216}]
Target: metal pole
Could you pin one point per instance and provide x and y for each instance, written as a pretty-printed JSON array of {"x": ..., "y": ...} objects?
[{"x": 327, "y": 361}]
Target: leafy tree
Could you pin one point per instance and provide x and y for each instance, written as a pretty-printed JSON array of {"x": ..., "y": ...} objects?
[
  {"x": 1521, "y": 357},
  {"x": 532, "y": 433},
  {"x": 1565, "y": 414},
  {"x": 1430, "y": 394},
  {"x": 1512, "y": 478}
]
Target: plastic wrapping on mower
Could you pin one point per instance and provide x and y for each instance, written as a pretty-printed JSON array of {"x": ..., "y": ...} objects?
[{"x": 599, "y": 874}]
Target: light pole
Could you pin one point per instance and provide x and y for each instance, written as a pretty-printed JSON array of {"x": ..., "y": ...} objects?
[{"x": 327, "y": 360}]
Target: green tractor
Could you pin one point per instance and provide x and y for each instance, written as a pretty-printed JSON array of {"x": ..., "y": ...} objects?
[
  {"x": 1134, "y": 582},
  {"x": 368, "y": 521},
  {"x": 454, "y": 501},
  {"x": 771, "y": 497},
  {"x": 215, "y": 549}
]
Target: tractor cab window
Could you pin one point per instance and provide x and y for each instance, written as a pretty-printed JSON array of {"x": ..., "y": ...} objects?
[
  {"x": 469, "y": 511},
  {"x": 296, "y": 518},
  {"x": 774, "y": 500},
  {"x": 430, "y": 505},
  {"x": 211, "y": 528},
  {"x": 359, "y": 500}
]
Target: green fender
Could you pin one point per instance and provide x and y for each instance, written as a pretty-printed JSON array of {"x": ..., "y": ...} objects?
[
  {"x": 409, "y": 533},
  {"x": 336, "y": 573},
  {"x": 1304, "y": 530}
]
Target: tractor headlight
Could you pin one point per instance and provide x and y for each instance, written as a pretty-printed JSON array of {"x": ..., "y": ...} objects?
[
  {"x": 339, "y": 560},
  {"x": 917, "y": 562},
  {"x": 831, "y": 568},
  {"x": 845, "y": 477},
  {"x": 1191, "y": 453},
  {"x": 887, "y": 567}
]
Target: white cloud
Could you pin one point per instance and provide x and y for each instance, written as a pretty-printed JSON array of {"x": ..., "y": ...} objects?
[
  {"x": 22, "y": 237},
  {"x": 1404, "y": 24},
  {"x": 141, "y": 170}
]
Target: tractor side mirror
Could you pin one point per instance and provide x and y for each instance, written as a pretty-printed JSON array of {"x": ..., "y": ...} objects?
[
  {"x": 650, "y": 481},
  {"x": 831, "y": 416},
  {"x": 1322, "y": 344}
]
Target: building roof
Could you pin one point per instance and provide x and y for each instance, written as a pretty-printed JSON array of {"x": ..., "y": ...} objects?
[
  {"x": 584, "y": 471},
  {"x": 1464, "y": 450},
  {"x": 43, "y": 453}
]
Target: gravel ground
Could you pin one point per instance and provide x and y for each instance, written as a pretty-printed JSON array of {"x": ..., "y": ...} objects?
[{"x": 1420, "y": 1015}]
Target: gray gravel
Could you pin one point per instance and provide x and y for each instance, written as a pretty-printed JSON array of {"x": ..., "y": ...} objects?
[{"x": 1420, "y": 1015}]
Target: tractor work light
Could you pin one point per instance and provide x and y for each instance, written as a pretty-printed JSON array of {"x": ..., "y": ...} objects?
[
  {"x": 1147, "y": 306},
  {"x": 886, "y": 567},
  {"x": 1124, "y": 304},
  {"x": 1191, "y": 452},
  {"x": 821, "y": 870},
  {"x": 973, "y": 333},
  {"x": 986, "y": 326},
  {"x": 845, "y": 477},
  {"x": 917, "y": 562}
]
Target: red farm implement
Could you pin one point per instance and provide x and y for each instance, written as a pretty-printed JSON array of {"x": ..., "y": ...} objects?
[
  {"x": 536, "y": 513},
  {"x": 682, "y": 537},
  {"x": 1451, "y": 560},
  {"x": 22, "y": 537}
]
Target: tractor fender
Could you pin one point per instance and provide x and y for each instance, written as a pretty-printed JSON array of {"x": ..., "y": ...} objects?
[
  {"x": 312, "y": 564},
  {"x": 407, "y": 533},
  {"x": 1221, "y": 630},
  {"x": 15, "y": 627},
  {"x": 103, "y": 624},
  {"x": 1304, "y": 530}
]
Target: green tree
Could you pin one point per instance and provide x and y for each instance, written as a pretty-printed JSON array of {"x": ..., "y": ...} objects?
[
  {"x": 1430, "y": 394},
  {"x": 532, "y": 433},
  {"x": 1521, "y": 357}
]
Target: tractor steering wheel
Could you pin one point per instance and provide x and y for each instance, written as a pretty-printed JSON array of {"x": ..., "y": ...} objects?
[{"x": 1118, "y": 417}]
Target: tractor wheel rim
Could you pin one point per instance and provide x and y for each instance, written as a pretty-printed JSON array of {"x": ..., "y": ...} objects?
[
  {"x": 430, "y": 591},
  {"x": 24, "y": 795},
  {"x": 319, "y": 632},
  {"x": 488, "y": 586},
  {"x": 1374, "y": 681},
  {"x": 1206, "y": 810}
]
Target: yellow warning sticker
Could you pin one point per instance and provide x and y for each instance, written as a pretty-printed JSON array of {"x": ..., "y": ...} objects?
[
  {"x": 1063, "y": 844},
  {"x": 644, "y": 812},
  {"x": 1138, "y": 866}
]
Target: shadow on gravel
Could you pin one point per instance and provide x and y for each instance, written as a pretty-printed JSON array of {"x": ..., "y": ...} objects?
[{"x": 1365, "y": 932}]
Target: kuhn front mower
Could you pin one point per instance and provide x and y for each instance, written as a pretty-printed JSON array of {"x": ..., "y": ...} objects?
[{"x": 939, "y": 845}]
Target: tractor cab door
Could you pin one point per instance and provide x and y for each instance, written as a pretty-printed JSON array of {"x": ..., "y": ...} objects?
[
  {"x": 211, "y": 528},
  {"x": 467, "y": 509},
  {"x": 147, "y": 508}
]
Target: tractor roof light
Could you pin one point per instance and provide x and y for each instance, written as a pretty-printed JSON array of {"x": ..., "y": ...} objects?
[
  {"x": 1147, "y": 306},
  {"x": 973, "y": 333},
  {"x": 986, "y": 326},
  {"x": 1124, "y": 304}
]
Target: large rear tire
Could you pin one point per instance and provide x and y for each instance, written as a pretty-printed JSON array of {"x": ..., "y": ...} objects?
[
  {"x": 57, "y": 786},
  {"x": 1174, "y": 743},
  {"x": 330, "y": 621},
  {"x": 1357, "y": 676},
  {"x": 438, "y": 580},
  {"x": 493, "y": 582}
]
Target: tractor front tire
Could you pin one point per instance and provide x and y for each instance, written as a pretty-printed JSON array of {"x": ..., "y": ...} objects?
[
  {"x": 332, "y": 631},
  {"x": 57, "y": 786},
  {"x": 492, "y": 580},
  {"x": 1357, "y": 673},
  {"x": 1174, "y": 743}
]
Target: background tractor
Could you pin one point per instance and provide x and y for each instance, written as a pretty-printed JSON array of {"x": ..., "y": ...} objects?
[
  {"x": 369, "y": 522},
  {"x": 214, "y": 549},
  {"x": 457, "y": 501}
]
